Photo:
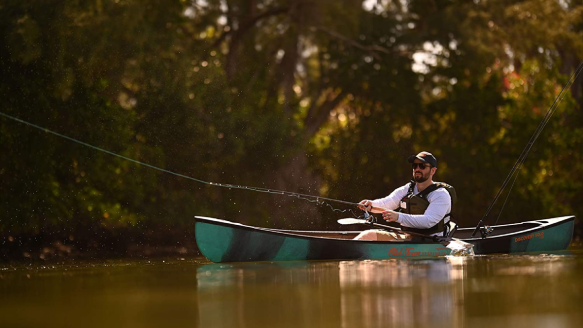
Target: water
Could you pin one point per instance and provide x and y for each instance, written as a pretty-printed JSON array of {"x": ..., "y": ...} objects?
[{"x": 483, "y": 291}]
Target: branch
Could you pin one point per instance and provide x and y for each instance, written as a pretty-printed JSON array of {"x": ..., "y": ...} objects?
[
  {"x": 316, "y": 91},
  {"x": 313, "y": 124},
  {"x": 374, "y": 49},
  {"x": 250, "y": 23}
]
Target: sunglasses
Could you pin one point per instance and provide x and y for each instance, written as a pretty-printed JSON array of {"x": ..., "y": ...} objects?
[{"x": 421, "y": 166}]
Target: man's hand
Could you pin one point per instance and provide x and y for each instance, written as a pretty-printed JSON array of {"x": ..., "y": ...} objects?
[
  {"x": 390, "y": 216},
  {"x": 365, "y": 205}
]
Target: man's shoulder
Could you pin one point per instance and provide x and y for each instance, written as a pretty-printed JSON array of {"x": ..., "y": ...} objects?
[
  {"x": 406, "y": 185},
  {"x": 440, "y": 192},
  {"x": 404, "y": 188}
]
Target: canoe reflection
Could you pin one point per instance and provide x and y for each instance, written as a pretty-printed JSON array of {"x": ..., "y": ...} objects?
[
  {"x": 401, "y": 293},
  {"x": 331, "y": 294}
]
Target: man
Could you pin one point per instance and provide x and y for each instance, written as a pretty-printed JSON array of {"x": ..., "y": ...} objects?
[{"x": 419, "y": 206}]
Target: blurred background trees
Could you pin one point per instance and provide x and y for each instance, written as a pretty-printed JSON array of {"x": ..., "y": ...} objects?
[{"x": 320, "y": 97}]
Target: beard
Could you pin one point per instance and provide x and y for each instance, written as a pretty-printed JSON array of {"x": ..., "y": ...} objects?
[{"x": 420, "y": 178}]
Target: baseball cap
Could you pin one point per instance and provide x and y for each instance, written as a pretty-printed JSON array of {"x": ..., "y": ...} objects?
[{"x": 425, "y": 157}]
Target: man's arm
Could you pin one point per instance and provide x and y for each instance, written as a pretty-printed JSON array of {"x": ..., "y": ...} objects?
[{"x": 390, "y": 202}]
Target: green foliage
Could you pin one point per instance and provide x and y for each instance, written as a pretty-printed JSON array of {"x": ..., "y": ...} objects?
[{"x": 322, "y": 97}]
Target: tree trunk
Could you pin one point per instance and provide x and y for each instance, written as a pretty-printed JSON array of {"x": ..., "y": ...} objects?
[{"x": 292, "y": 212}]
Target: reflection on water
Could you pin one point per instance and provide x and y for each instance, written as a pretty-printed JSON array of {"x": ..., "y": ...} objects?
[
  {"x": 298, "y": 294},
  {"x": 483, "y": 291},
  {"x": 334, "y": 294},
  {"x": 533, "y": 291},
  {"x": 398, "y": 293}
]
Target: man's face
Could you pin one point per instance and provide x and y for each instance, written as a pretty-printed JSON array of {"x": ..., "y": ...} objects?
[{"x": 421, "y": 171}]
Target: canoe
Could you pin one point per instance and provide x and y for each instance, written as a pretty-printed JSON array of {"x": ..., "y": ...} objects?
[
  {"x": 225, "y": 241},
  {"x": 546, "y": 235}
]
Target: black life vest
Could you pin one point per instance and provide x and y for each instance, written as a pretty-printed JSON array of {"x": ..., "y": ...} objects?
[{"x": 417, "y": 204}]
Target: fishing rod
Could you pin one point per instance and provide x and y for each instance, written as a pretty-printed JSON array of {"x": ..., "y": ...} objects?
[
  {"x": 311, "y": 198},
  {"x": 513, "y": 175}
]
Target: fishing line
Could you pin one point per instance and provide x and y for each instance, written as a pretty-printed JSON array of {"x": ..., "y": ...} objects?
[
  {"x": 310, "y": 198},
  {"x": 522, "y": 162},
  {"x": 513, "y": 175}
]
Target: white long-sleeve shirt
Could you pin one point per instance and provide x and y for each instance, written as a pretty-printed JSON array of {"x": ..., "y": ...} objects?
[{"x": 439, "y": 206}]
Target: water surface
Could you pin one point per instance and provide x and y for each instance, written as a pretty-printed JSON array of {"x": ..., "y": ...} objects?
[{"x": 520, "y": 290}]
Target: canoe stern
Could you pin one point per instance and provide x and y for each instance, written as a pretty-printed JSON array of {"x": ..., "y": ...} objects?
[{"x": 554, "y": 238}]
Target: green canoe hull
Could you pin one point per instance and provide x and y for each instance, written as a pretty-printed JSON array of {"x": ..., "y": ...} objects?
[{"x": 224, "y": 241}]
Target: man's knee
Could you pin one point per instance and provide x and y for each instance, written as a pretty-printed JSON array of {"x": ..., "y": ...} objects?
[
  {"x": 380, "y": 235},
  {"x": 367, "y": 235}
]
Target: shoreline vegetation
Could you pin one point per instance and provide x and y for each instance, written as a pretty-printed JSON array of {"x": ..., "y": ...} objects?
[{"x": 103, "y": 244}]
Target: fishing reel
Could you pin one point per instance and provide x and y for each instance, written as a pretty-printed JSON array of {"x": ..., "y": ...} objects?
[
  {"x": 370, "y": 218},
  {"x": 485, "y": 231}
]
